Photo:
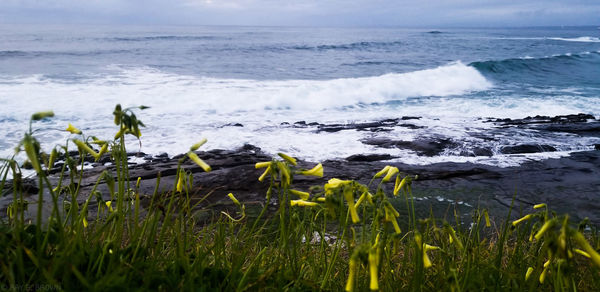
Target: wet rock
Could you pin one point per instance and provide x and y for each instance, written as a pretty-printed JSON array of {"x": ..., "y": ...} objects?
[
  {"x": 425, "y": 147},
  {"x": 526, "y": 148},
  {"x": 232, "y": 125},
  {"x": 369, "y": 157}
]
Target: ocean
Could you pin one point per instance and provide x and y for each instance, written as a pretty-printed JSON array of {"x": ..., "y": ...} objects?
[{"x": 249, "y": 85}]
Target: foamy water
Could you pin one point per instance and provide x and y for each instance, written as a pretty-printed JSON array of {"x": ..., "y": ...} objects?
[{"x": 356, "y": 81}]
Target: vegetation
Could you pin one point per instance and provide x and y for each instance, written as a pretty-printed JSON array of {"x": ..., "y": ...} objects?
[{"x": 342, "y": 235}]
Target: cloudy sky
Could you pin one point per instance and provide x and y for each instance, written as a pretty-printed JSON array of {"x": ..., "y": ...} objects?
[{"x": 409, "y": 13}]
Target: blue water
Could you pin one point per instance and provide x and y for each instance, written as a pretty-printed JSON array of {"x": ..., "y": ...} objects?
[{"x": 198, "y": 79}]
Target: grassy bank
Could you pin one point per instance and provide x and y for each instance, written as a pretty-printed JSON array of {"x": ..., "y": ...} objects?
[{"x": 334, "y": 236}]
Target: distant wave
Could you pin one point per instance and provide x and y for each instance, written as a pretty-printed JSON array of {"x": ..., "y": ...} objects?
[
  {"x": 555, "y": 63},
  {"x": 349, "y": 46},
  {"x": 162, "y": 38},
  {"x": 583, "y": 39},
  {"x": 32, "y": 54}
]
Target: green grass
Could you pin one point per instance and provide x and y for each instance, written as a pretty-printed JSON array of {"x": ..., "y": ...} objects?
[{"x": 341, "y": 235}]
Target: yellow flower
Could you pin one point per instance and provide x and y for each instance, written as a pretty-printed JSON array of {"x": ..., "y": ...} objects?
[
  {"x": 544, "y": 228},
  {"x": 351, "y": 274},
  {"x": 315, "y": 171},
  {"x": 543, "y": 275},
  {"x": 71, "y": 129},
  {"x": 399, "y": 184},
  {"x": 262, "y": 177},
  {"x": 524, "y": 218},
  {"x": 180, "y": 182},
  {"x": 321, "y": 199},
  {"x": 301, "y": 195},
  {"x": 233, "y": 199},
  {"x": 42, "y": 115},
  {"x": 588, "y": 248},
  {"x": 284, "y": 173},
  {"x": 85, "y": 148},
  {"x": 262, "y": 164},
  {"x": 302, "y": 203},
  {"x": 365, "y": 195},
  {"x": 288, "y": 158},
  {"x": 109, "y": 205},
  {"x": 373, "y": 268},
  {"x": 335, "y": 183},
  {"x": 350, "y": 199},
  {"x": 199, "y": 161},
  {"x": 382, "y": 172},
  {"x": 487, "y": 219},
  {"x": 139, "y": 181},
  {"x": 426, "y": 261},
  {"x": 391, "y": 172},
  {"x": 528, "y": 273},
  {"x": 197, "y": 145},
  {"x": 539, "y": 206},
  {"x": 581, "y": 252},
  {"x": 85, "y": 223}
]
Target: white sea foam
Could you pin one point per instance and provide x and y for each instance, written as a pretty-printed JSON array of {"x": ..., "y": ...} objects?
[
  {"x": 187, "y": 108},
  {"x": 582, "y": 39}
]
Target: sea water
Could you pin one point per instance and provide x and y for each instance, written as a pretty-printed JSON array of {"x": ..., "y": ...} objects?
[{"x": 239, "y": 85}]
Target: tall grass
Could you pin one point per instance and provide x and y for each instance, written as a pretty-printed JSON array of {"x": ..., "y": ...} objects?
[{"x": 341, "y": 235}]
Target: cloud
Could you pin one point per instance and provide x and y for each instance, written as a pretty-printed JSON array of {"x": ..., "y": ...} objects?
[{"x": 306, "y": 12}]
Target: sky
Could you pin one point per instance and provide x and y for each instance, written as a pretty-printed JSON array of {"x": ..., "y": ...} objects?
[{"x": 413, "y": 13}]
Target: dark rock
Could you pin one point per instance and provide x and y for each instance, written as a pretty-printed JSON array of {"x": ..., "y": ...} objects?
[
  {"x": 597, "y": 146},
  {"x": 411, "y": 126},
  {"x": 526, "y": 148},
  {"x": 369, "y": 157},
  {"x": 478, "y": 151},
  {"x": 404, "y": 118},
  {"x": 233, "y": 125},
  {"x": 138, "y": 154},
  {"x": 426, "y": 147},
  {"x": 162, "y": 155}
]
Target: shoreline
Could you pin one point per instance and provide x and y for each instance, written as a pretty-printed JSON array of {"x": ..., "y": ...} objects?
[{"x": 568, "y": 184}]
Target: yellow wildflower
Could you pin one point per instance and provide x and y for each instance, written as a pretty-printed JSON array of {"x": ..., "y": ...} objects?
[
  {"x": 300, "y": 194},
  {"x": 528, "y": 273},
  {"x": 391, "y": 172},
  {"x": 350, "y": 199},
  {"x": 315, "y": 171},
  {"x": 42, "y": 115},
  {"x": 262, "y": 177},
  {"x": 351, "y": 274},
  {"x": 382, "y": 172},
  {"x": 544, "y": 228},
  {"x": 71, "y": 129},
  {"x": 109, "y": 205},
  {"x": 588, "y": 248},
  {"x": 487, "y": 218},
  {"x": 524, "y": 218},
  {"x": 303, "y": 203},
  {"x": 288, "y": 158},
  {"x": 197, "y": 145},
  {"x": 262, "y": 164},
  {"x": 233, "y": 199},
  {"x": 539, "y": 206},
  {"x": 199, "y": 161},
  {"x": 373, "y": 268}
]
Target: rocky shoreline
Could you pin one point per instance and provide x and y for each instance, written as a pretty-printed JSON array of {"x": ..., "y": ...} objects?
[{"x": 569, "y": 184}]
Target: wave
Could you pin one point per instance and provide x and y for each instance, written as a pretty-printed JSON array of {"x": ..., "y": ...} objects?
[
  {"x": 349, "y": 46},
  {"x": 238, "y": 95},
  {"x": 162, "y": 38},
  {"x": 36, "y": 54},
  {"x": 583, "y": 39},
  {"x": 582, "y": 68}
]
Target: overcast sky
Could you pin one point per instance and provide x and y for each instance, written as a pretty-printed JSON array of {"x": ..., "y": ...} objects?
[{"x": 412, "y": 13}]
